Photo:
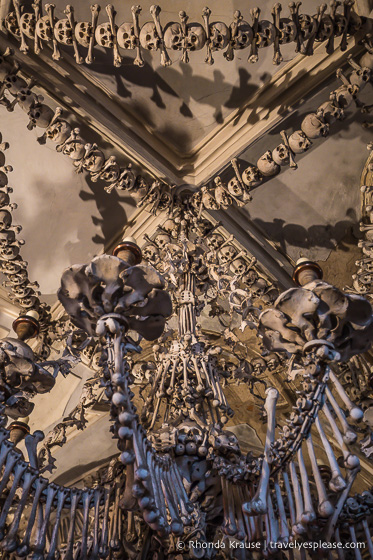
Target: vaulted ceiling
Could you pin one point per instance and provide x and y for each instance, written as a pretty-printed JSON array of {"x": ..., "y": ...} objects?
[{"x": 183, "y": 124}]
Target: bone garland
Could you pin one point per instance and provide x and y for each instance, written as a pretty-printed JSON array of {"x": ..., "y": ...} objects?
[
  {"x": 300, "y": 28},
  {"x": 85, "y": 157},
  {"x": 23, "y": 292},
  {"x": 314, "y": 126}
]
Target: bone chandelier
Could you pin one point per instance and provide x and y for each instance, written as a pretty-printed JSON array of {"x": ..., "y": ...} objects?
[{"x": 181, "y": 479}]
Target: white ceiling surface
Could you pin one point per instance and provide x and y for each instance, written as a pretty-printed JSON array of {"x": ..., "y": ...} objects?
[
  {"x": 63, "y": 221},
  {"x": 183, "y": 103},
  {"x": 312, "y": 208}
]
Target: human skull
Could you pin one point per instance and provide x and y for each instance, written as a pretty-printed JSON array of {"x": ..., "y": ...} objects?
[
  {"x": 266, "y": 165},
  {"x": 219, "y": 35},
  {"x": 28, "y": 302},
  {"x": 7, "y": 237},
  {"x": 251, "y": 176},
  {"x": 299, "y": 142},
  {"x": 171, "y": 227},
  {"x": 259, "y": 365},
  {"x": 308, "y": 26},
  {"x": 225, "y": 442},
  {"x": 162, "y": 240},
  {"x": 325, "y": 29},
  {"x": 59, "y": 132},
  {"x": 226, "y": 254},
  {"x": 20, "y": 277},
  {"x": 340, "y": 23},
  {"x": 222, "y": 198},
  {"x": 126, "y": 36},
  {"x": 4, "y": 198},
  {"x": 9, "y": 252},
  {"x": 354, "y": 23},
  {"x": 266, "y": 33},
  {"x": 104, "y": 36},
  {"x": 173, "y": 36},
  {"x": 111, "y": 172},
  {"x": 314, "y": 126},
  {"x": 43, "y": 28},
  {"x": 83, "y": 33},
  {"x": 344, "y": 96},
  {"x": 14, "y": 83},
  {"x": 150, "y": 253},
  {"x": 40, "y": 115},
  {"x": 195, "y": 38},
  {"x": 127, "y": 181},
  {"x": 360, "y": 77},
  {"x": 74, "y": 149},
  {"x": 94, "y": 161},
  {"x": 288, "y": 31},
  {"x": 329, "y": 112},
  {"x": 272, "y": 361},
  {"x": 208, "y": 200},
  {"x": 27, "y": 24},
  {"x": 63, "y": 32},
  {"x": 26, "y": 99},
  {"x": 244, "y": 36},
  {"x": 11, "y": 24},
  {"x": 235, "y": 188},
  {"x": 281, "y": 155},
  {"x": 5, "y": 219},
  {"x": 238, "y": 267},
  {"x": 214, "y": 240},
  {"x": 149, "y": 38}
]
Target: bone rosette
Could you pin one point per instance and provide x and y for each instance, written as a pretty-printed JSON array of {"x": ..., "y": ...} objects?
[
  {"x": 109, "y": 286},
  {"x": 19, "y": 374},
  {"x": 341, "y": 325}
]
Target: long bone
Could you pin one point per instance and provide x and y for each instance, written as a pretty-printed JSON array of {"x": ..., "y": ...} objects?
[
  {"x": 11, "y": 460},
  {"x": 179, "y": 486},
  {"x": 258, "y": 505},
  {"x": 103, "y": 550},
  {"x": 354, "y": 411},
  {"x": 354, "y": 540},
  {"x": 283, "y": 526},
  {"x": 285, "y": 140},
  {"x": 114, "y": 520},
  {"x": 10, "y": 542},
  {"x": 18, "y": 472},
  {"x": 237, "y": 500},
  {"x": 350, "y": 461},
  {"x": 17, "y": 7},
  {"x": 111, "y": 14},
  {"x": 159, "y": 496},
  {"x": 229, "y": 526},
  {"x": 320, "y": 13},
  {"x": 253, "y": 56},
  {"x": 155, "y": 11},
  {"x": 69, "y": 12},
  {"x": 337, "y": 482},
  {"x": 308, "y": 514},
  {"x": 337, "y": 538},
  {"x": 332, "y": 521},
  {"x": 206, "y": 13},
  {"x": 95, "y": 10},
  {"x": 325, "y": 507},
  {"x": 177, "y": 526},
  {"x": 49, "y": 8},
  {"x": 272, "y": 528},
  {"x": 368, "y": 537},
  {"x": 347, "y": 14},
  {"x": 276, "y": 11},
  {"x": 86, "y": 499},
  {"x": 174, "y": 488},
  {"x": 38, "y": 549},
  {"x": 229, "y": 53},
  {"x": 6, "y": 447},
  {"x": 75, "y": 497},
  {"x": 32, "y": 441},
  {"x": 349, "y": 436},
  {"x": 136, "y": 10},
  {"x": 61, "y": 497},
  {"x": 298, "y": 528},
  {"x": 333, "y": 10},
  {"x": 38, "y": 13},
  {"x": 24, "y": 547},
  {"x": 294, "y": 12},
  {"x": 245, "y": 189}
]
